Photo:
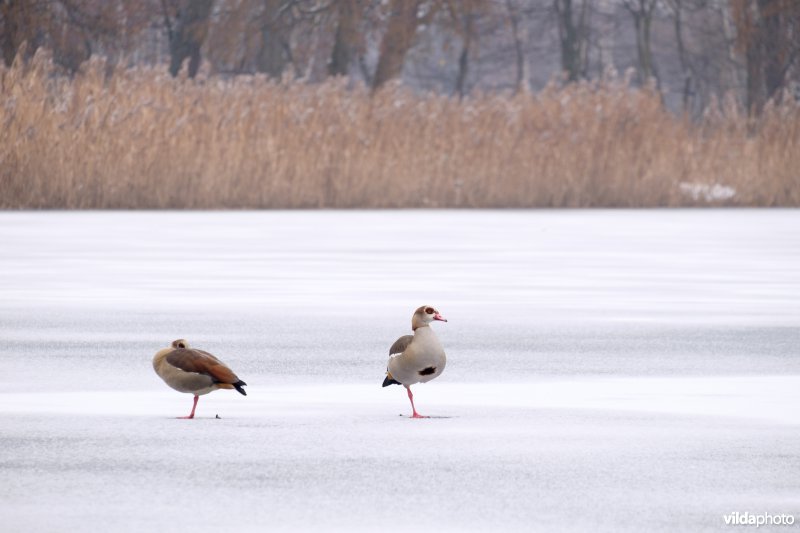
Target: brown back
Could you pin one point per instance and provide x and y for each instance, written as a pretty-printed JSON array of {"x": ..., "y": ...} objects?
[{"x": 200, "y": 362}]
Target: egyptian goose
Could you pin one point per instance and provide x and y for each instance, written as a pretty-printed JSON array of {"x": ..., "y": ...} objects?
[
  {"x": 416, "y": 358},
  {"x": 194, "y": 371}
]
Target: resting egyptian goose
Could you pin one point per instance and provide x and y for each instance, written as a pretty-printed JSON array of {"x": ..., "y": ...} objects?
[
  {"x": 194, "y": 371},
  {"x": 416, "y": 358}
]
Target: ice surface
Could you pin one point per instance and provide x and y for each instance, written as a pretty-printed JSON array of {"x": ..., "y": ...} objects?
[{"x": 607, "y": 370}]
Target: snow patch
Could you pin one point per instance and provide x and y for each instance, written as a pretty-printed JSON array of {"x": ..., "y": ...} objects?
[{"x": 709, "y": 193}]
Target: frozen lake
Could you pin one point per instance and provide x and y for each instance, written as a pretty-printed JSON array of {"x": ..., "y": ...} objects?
[{"x": 607, "y": 370}]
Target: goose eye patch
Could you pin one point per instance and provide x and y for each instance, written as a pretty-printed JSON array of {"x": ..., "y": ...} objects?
[{"x": 429, "y": 310}]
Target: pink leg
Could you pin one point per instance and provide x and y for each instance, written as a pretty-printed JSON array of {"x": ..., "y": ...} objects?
[
  {"x": 414, "y": 409},
  {"x": 194, "y": 406}
]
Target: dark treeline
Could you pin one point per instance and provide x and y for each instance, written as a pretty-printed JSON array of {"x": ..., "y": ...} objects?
[{"x": 693, "y": 50}]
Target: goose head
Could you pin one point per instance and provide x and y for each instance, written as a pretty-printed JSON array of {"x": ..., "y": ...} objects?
[
  {"x": 180, "y": 343},
  {"x": 424, "y": 315}
]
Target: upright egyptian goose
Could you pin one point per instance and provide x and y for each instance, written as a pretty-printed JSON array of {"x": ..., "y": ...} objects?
[
  {"x": 194, "y": 371},
  {"x": 416, "y": 358}
]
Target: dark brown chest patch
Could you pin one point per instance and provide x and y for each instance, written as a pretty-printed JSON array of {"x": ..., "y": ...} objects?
[{"x": 427, "y": 371}]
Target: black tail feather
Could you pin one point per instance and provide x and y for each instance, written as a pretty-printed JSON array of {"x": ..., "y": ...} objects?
[
  {"x": 390, "y": 381},
  {"x": 238, "y": 386}
]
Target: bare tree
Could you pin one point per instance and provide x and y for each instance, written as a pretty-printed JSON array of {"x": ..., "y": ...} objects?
[
  {"x": 641, "y": 12},
  {"x": 404, "y": 17},
  {"x": 573, "y": 24},
  {"x": 275, "y": 28},
  {"x": 397, "y": 40},
  {"x": 188, "y": 34},
  {"x": 767, "y": 33},
  {"x": 519, "y": 34},
  {"x": 781, "y": 41},
  {"x": 347, "y": 39},
  {"x": 72, "y": 29},
  {"x": 679, "y": 8},
  {"x": 605, "y": 36},
  {"x": 463, "y": 15},
  {"x": 18, "y": 18}
]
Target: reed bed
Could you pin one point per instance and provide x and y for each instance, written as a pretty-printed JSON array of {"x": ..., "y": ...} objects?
[{"x": 137, "y": 138}]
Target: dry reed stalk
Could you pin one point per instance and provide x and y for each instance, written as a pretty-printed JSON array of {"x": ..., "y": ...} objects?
[{"x": 139, "y": 139}]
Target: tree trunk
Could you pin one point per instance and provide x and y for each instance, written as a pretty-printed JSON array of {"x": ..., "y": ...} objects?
[
  {"x": 23, "y": 22},
  {"x": 190, "y": 33},
  {"x": 755, "y": 78},
  {"x": 463, "y": 59},
  {"x": 774, "y": 51},
  {"x": 272, "y": 56},
  {"x": 519, "y": 32},
  {"x": 397, "y": 41},
  {"x": 642, "y": 13},
  {"x": 767, "y": 37},
  {"x": 572, "y": 37},
  {"x": 648, "y": 65},
  {"x": 9, "y": 39},
  {"x": 567, "y": 37},
  {"x": 605, "y": 37},
  {"x": 729, "y": 31},
  {"x": 346, "y": 39},
  {"x": 749, "y": 37},
  {"x": 677, "y": 6}
]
